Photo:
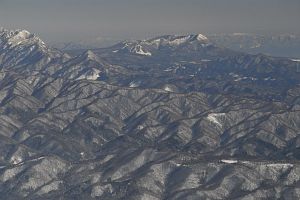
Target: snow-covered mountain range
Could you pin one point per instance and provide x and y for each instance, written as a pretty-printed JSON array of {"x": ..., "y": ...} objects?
[{"x": 174, "y": 117}]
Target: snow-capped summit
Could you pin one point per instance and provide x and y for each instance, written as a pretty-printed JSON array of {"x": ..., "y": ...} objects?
[
  {"x": 149, "y": 46},
  {"x": 22, "y": 48},
  {"x": 13, "y": 38},
  {"x": 91, "y": 55},
  {"x": 174, "y": 40}
]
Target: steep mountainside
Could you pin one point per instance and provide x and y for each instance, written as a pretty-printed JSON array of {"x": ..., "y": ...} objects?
[{"x": 175, "y": 117}]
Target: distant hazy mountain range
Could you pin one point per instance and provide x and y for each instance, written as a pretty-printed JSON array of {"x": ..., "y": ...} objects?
[
  {"x": 173, "y": 117},
  {"x": 284, "y": 45}
]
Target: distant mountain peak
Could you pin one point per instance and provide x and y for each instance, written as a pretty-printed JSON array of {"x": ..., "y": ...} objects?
[
  {"x": 16, "y": 37},
  {"x": 148, "y": 46},
  {"x": 90, "y": 55},
  {"x": 86, "y": 56},
  {"x": 22, "y": 48},
  {"x": 8, "y": 34},
  {"x": 178, "y": 39}
]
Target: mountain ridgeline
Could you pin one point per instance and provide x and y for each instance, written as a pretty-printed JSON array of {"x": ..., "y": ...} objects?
[
  {"x": 282, "y": 45},
  {"x": 173, "y": 117}
]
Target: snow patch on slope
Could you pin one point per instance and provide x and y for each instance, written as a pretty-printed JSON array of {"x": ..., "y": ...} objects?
[
  {"x": 16, "y": 160},
  {"x": 138, "y": 49},
  {"x": 229, "y": 161},
  {"x": 91, "y": 55},
  {"x": 180, "y": 40},
  {"x": 168, "y": 89},
  {"x": 201, "y": 37},
  {"x": 93, "y": 75},
  {"x": 134, "y": 84},
  {"x": 280, "y": 165},
  {"x": 214, "y": 118}
]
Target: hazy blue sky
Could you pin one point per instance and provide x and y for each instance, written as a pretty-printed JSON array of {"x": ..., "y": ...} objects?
[{"x": 75, "y": 19}]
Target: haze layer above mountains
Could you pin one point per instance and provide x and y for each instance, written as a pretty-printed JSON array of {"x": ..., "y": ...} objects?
[{"x": 75, "y": 20}]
